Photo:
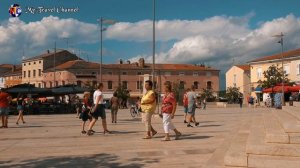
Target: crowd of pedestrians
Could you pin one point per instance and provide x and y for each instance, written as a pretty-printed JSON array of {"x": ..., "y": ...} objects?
[{"x": 93, "y": 106}]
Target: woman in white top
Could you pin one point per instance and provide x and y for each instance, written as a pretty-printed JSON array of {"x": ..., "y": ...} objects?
[{"x": 98, "y": 110}]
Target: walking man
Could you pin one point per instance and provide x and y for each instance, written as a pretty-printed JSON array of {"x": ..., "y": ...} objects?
[{"x": 191, "y": 107}]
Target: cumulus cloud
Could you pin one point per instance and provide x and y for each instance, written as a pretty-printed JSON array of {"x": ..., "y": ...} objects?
[
  {"x": 218, "y": 40},
  {"x": 16, "y": 35}
]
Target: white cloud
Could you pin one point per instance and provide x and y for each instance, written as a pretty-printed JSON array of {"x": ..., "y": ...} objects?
[
  {"x": 219, "y": 40},
  {"x": 33, "y": 37}
]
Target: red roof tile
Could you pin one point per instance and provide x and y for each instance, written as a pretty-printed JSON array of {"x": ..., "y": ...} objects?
[
  {"x": 81, "y": 64},
  {"x": 244, "y": 67},
  {"x": 288, "y": 54}
]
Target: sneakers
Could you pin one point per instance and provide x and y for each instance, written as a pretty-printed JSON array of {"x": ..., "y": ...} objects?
[
  {"x": 177, "y": 136},
  {"x": 89, "y": 133},
  {"x": 189, "y": 125},
  {"x": 185, "y": 121},
  {"x": 83, "y": 132},
  {"x": 196, "y": 124}
]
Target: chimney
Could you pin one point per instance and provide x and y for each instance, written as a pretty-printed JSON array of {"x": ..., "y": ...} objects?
[
  {"x": 121, "y": 61},
  {"x": 13, "y": 68},
  {"x": 141, "y": 62},
  {"x": 48, "y": 51},
  {"x": 128, "y": 61}
]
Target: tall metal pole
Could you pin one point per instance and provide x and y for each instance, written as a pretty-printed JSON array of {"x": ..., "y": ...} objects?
[
  {"x": 153, "y": 45},
  {"x": 101, "y": 29},
  {"x": 282, "y": 57},
  {"x": 54, "y": 62}
]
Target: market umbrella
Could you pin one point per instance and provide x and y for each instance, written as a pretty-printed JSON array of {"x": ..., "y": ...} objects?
[
  {"x": 26, "y": 89},
  {"x": 68, "y": 89}
]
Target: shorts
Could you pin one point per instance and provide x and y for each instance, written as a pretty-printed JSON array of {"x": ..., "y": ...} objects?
[
  {"x": 185, "y": 109},
  {"x": 4, "y": 111},
  {"x": 191, "y": 109},
  {"x": 84, "y": 116},
  {"x": 19, "y": 107},
  {"x": 100, "y": 112}
]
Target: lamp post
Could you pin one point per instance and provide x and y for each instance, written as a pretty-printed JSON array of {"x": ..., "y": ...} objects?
[
  {"x": 282, "y": 59},
  {"x": 101, "y": 22},
  {"x": 153, "y": 45},
  {"x": 54, "y": 62}
]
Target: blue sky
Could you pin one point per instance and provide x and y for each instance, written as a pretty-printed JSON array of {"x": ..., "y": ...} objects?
[{"x": 216, "y": 32}]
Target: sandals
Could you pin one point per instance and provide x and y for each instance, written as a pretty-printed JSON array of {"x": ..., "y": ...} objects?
[
  {"x": 107, "y": 132},
  {"x": 89, "y": 133},
  {"x": 147, "y": 137},
  {"x": 83, "y": 132},
  {"x": 166, "y": 139},
  {"x": 177, "y": 136}
]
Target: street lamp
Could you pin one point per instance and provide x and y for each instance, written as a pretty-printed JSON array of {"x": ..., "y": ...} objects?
[
  {"x": 153, "y": 45},
  {"x": 101, "y": 22},
  {"x": 282, "y": 59}
]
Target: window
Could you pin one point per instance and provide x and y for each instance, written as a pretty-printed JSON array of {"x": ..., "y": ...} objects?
[
  {"x": 40, "y": 62},
  {"x": 298, "y": 69},
  {"x": 109, "y": 73},
  {"x": 40, "y": 72},
  {"x": 208, "y": 74},
  {"x": 139, "y": 85},
  {"x": 79, "y": 83},
  {"x": 34, "y": 62},
  {"x": 124, "y": 84},
  {"x": 63, "y": 83},
  {"x": 24, "y": 74},
  {"x": 167, "y": 73},
  {"x": 29, "y": 63},
  {"x": 24, "y": 64},
  {"x": 39, "y": 85},
  {"x": 208, "y": 84},
  {"x": 28, "y": 73},
  {"x": 109, "y": 85},
  {"x": 34, "y": 73},
  {"x": 93, "y": 73},
  {"x": 50, "y": 84},
  {"x": 124, "y": 73},
  {"x": 195, "y": 74},
  {"x": 181, "y": 84},
  {"x": 234, "y": 80},
  {"x": 56, "y": 83},
  {"x": 196, "y": 84},
  {"x": 139, "y": 73},
  {"x": 259, "y": 72},
  {"x": 286, "y": 69},
  {"x": 181, "y": 73},
  {"x": 154, "y": 84}
]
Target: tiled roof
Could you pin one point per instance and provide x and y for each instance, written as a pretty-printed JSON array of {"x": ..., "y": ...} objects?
[
  {"x": 47, "y": 54},
  {"x": 18, "y": 71},
  {"x": 288, "y": 54},
  {"x": 7, "y": 68},
  {"x": 81, "y": 64},
  {"x": 244, "y": 67}
]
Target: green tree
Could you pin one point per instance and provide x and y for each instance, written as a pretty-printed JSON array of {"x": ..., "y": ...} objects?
[
  {"x": 273, "y": 76},
  {"x": 178, "y": 90},
  {"x": 232, "y": 94},
  {"x": 207, "y": 94},
  {"x": 122, "y": 93}
]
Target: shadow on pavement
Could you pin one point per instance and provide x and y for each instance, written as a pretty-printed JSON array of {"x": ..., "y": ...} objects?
[
  {"x": 209, "y": 125},
  {"x": 99, "y": 160}
]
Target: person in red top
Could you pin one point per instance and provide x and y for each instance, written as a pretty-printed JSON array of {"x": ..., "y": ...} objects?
[
  {"x": 84, "y": 115},
  {"x": 168, "y": 110},
  {"x": 185, "y": 104},
  {"x": 4, "y": 104}
]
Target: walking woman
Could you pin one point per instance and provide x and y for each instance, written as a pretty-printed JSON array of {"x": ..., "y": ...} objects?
[
  {"x": 168, "y": 110},
  {"x": 20, "y": 108},
  {"x": 148, "y": 105}
]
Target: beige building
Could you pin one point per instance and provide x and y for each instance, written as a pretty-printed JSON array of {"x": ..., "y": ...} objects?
[
  {"x": 32, "y": 68},
  {"x": 239, "y": 76},
  {"x": 291, "y": 66},
  {"x": 131, "y": 75}
]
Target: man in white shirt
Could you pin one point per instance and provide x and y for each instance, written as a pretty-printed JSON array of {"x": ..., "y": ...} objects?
[{"x": 98, "y": 110}]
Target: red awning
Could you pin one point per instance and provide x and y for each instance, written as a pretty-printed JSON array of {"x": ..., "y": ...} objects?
[
  {"x": 294, "y": 88},
  {"x": 276, "y": 89}
]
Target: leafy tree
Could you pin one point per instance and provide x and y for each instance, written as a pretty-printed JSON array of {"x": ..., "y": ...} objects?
[
  {"x": 232, "y": 94},
  {"x": 273, "y": 76},
  {"x": 178, "y": 90},
  {"x": 207, "y": 94},
  {"x": 122, "y": 93}
]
